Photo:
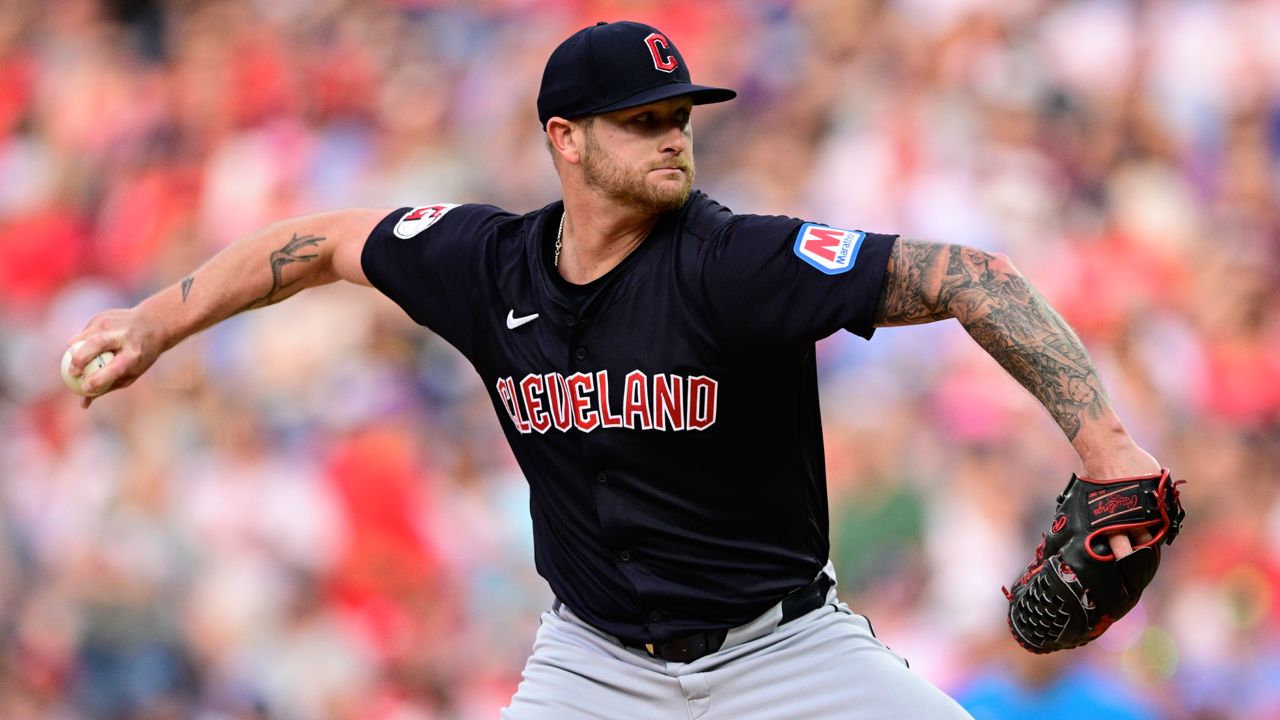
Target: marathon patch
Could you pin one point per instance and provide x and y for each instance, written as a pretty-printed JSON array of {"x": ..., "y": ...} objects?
[
  {"x": 831, "y": 250},
  {"x": 420, "y": 218}
]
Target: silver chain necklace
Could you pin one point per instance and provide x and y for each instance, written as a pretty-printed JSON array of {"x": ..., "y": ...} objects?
[{"x": 559, "y": 240}]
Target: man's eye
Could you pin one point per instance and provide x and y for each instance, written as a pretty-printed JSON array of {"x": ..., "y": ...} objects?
[{"x": 642, "y": 118}]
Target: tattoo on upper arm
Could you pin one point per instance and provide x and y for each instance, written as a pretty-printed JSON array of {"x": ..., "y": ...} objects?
[
  {"x": 290, "y": 253},
  {"x": 186, "y": 286},
  {"x": 1004, "y": 314},
  {"x": 913, "y": 267}
]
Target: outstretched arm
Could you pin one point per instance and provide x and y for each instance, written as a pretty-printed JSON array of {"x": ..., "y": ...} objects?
[
  {"x": 257, "y": 270},
  {"x": 1013, "y": 323}
]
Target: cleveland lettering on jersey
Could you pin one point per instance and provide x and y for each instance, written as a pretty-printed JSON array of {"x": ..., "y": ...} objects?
[
  {"x": 692, "y": 334},
  {"x": 583, "y": 402}
]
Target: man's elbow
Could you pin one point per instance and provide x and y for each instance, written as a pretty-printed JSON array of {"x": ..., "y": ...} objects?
[
  {"x": 1002, "y": 265},
  {"x": 351, "y": 229},
  {"x": 978, "y": 283}
]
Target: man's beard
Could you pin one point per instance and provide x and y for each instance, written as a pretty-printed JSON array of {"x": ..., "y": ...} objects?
[{"x": 629, "y": 187}]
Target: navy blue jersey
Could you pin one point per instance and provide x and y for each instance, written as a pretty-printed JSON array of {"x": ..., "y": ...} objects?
[{"x": 666, "y": 416}]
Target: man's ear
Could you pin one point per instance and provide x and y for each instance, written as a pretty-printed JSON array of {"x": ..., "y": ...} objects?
[{"x": 566, "y": 138}]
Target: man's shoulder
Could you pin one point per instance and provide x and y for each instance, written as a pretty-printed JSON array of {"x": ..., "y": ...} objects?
[
  {"x": 510, "y": 225},
  {"x": 492, "y": 216},
  {"x": 703, "y": 217},
  {"x": 467, "y": 223},
  {"x": 707, "y": 219}
]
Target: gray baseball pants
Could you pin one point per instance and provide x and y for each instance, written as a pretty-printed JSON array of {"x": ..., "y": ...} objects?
[{"x": 826, "y": 664}]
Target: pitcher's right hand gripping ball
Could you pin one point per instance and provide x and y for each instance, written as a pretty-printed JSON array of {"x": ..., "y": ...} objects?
[{"x": 1075, "y": 587}]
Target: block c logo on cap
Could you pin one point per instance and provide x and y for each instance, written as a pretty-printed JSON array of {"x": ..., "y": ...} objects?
[
  {"x": 660, "y": 49},
  {"x": 831, "y": 250}
]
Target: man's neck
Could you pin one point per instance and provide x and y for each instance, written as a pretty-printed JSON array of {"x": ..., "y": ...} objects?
[{"x": 598, "y": 235}]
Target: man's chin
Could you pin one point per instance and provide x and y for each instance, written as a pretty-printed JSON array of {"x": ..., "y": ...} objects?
[
  {"x": 670, "y": 196},
  {"x": 668, "y": 202},
  {"x": 655, "y": 197}
]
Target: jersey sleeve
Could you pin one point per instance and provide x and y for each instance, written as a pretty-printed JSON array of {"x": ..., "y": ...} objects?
[
  {"x": 427, "y": 259},
  {"x": 779, "y": 280}
]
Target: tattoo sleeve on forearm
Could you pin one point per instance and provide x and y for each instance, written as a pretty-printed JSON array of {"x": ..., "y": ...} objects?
[
  {"x": 1004, "y": 315},
  {"x": 291, "y": 252}
]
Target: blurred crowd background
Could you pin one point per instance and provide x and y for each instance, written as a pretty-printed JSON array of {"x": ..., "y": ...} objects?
[{"x": 308, "y": 512}]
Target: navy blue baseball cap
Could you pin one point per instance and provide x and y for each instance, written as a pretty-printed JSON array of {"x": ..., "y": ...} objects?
[{"x": 612, "y": 66}]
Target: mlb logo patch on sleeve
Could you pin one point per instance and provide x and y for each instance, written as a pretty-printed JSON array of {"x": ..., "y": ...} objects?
[
  {"x": 420, "y": 218},
  {"x": 831, "y": 250}
]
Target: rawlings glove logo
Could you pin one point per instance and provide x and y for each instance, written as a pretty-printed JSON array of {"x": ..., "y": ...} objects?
[{"x": 1116, "y": 506}]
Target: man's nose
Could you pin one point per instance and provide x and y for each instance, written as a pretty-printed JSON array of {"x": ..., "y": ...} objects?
[{"x": 675, "y": 139}]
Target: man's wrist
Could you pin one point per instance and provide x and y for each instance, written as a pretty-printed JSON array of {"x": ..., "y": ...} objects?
[
  {"x": 160, "y": 317},
  {"x": 1107, "y": 451}
]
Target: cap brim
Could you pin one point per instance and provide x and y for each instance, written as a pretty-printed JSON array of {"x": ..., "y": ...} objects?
[{"x": 700, "y": 94}]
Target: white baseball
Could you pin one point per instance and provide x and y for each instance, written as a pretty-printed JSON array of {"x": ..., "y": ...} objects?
[{"x": 93, "y": 366}]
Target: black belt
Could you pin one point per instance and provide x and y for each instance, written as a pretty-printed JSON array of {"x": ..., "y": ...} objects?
[{"x": 700, "y": 644}]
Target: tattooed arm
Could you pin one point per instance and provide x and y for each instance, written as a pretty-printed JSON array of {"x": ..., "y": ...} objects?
[
  {"x": 1013, "y": 323},
  {"x": 257, "y": 270}
]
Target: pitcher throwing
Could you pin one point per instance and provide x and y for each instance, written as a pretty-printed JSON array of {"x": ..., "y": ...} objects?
[{"x": 650, "y": 356}]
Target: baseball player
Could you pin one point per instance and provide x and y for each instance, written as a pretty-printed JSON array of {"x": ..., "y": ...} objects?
[{"x": 650, "y": 356}]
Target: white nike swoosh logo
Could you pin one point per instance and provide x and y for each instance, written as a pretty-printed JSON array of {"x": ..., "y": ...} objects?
[{"x": 514, "y": 322}]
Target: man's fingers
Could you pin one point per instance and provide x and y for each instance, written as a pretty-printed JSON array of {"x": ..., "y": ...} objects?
[
  {"x": 121, "y": 333},
  {"x": 112, "y": 375},
  {"x": 1120, "y": 544},
  {"x": 104, "y": 331},
  {"x": 90, "y": 346}
]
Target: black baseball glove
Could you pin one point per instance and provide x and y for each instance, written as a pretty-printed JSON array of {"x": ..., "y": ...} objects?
[{"x": 1075, "y": 587}]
